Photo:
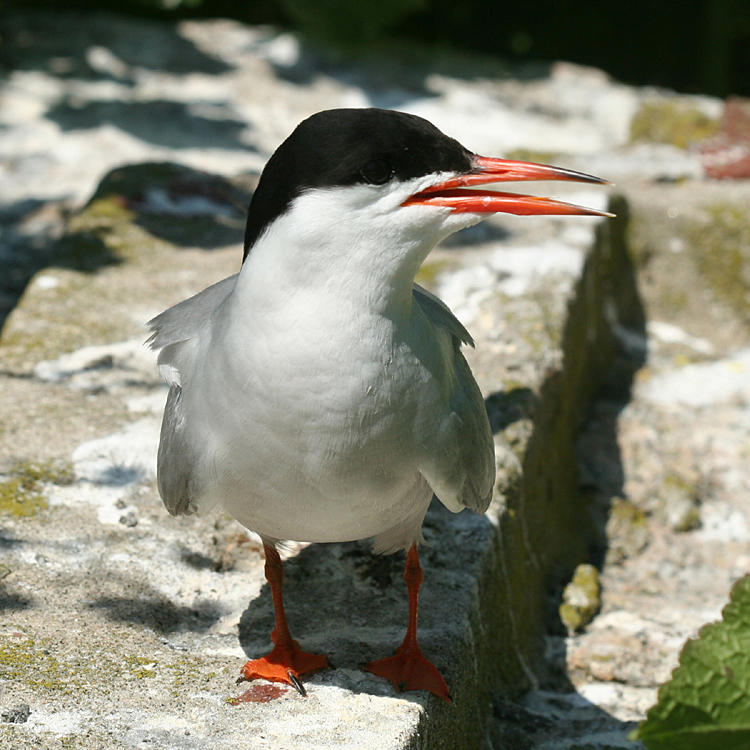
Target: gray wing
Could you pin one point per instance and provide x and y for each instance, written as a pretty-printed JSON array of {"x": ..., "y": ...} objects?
[
  {"x": 176, "y": 459},
  {"x": 440, "y": 314},
  {"x": 174, "y": 333},
  {"x": 462, "y": 469},
  {"x": 185, "y": 319},
  {"x": 474, "y": 473}
]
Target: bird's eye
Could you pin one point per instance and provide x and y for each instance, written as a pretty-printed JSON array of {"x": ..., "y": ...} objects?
[{"x": 376, "y": 171}]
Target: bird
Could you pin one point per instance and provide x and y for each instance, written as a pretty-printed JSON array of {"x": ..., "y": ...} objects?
[{"x": 320, "y": 394}]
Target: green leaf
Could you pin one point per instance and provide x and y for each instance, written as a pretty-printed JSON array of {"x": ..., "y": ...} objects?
[{"x": 706, "y": 703}]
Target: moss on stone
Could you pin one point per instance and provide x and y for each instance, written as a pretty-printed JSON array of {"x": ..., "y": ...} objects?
[
  {"x": 21, "y": 494},
  {"x": 689, "y": 520},
  {"x": 141, "y": 667},
  {"x": 677, "y": 482},
  {"x": 47, "y": 324},
  {"x": 187, "y": 671},
  {"x": 627, "y": 530},
  {"x": 104, "y": 233},
  {"x": 50, "y": 472},
  {"x": 111, "y": 207},
  {"x": 680, "y": 496},
  {"x": 32, "y": 664},
  {"x": 624, "y": 510},
  {"x": 19, "y": 501},
  {"x": 670, "y": 121},
  {"x": 581, "y": 598},
  {"x": 720, "y": 245}
]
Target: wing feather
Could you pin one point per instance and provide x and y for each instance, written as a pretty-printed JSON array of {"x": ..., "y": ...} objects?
[
  {"x": 461, "y": 469},
  {"x": 174, "y": 333},
  {"x": 440, "y": 314},
  {"x": 185, "y": 319},
  {"x": 175, "y": 461}
]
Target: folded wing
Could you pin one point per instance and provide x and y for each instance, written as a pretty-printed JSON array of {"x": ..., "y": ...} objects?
[
  {"x": 175, "y": 333},
  {"x": 461, "y": 464}
]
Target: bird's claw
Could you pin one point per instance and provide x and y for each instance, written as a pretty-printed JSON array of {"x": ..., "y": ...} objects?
[{"x": 297, "y": 684}]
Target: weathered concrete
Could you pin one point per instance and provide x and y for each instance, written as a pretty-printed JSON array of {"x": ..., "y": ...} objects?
[
  {"x": 668, "y": 463},
  {"x": 157, "y": 603},
  {"x": 122, "y": 626}
]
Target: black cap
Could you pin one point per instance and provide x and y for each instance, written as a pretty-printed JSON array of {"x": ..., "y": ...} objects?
[{"x": 339, "y": 147}]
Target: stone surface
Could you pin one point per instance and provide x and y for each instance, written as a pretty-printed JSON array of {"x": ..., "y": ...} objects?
[
  {"x": 129, "y": 150},
  {"x": 160, "y": 605},
  {"x": 676, "y": 481}
]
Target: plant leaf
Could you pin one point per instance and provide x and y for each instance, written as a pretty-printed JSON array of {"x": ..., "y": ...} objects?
[{"x": 706, "y": 703}]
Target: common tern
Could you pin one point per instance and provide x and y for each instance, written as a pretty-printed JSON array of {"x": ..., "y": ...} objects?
[{"x": 320, "y": 394}]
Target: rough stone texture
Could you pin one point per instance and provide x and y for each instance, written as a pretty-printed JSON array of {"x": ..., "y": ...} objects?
[
  {"x": 157, "y": 600},
  {"x": 123, "y": 627},
  {"x": 675, "y": 481}
]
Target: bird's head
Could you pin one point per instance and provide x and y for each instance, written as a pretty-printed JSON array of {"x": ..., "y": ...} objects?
[{"x": 379, "y": 182}]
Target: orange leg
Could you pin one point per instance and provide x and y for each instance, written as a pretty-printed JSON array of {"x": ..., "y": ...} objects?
[
  {"x": 408, "y": 669},
  {"x": 286, "y": 661}
]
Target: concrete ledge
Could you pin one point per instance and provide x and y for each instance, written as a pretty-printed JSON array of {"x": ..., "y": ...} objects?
[{"x": 121, "y": 623}]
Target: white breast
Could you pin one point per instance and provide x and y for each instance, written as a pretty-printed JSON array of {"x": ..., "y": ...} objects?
[{"x": 315, "y": 435}]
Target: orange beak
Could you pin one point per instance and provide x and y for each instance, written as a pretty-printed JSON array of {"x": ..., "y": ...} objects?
[{"x": 452, "y": 193}]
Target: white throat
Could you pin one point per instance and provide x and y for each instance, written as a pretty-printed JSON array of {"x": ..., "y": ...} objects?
[{"x": 355, "y": 244}]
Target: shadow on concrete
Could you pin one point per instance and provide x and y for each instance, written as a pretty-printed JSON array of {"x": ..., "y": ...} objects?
[
  {"x": 153, "y": 610},
  {"x": 180, "y": 205},
  {"x": 96, "y": 47},
  {"x": 10, "y": 600},
  {"x": 6, "y": 542},
  {"x": 197, "y": 560},
  {"x": 393, "y": 75},
  {"x": 119, "y": 475},
  {"x": 161, "y": 122},
  {"x": 91, "y": 46}
]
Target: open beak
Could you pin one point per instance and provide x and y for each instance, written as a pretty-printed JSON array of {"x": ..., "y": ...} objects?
[{"x": 454, "y": 193}]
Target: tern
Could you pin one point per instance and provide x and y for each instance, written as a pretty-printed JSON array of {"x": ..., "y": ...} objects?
[{"x": 320, "y": 394}]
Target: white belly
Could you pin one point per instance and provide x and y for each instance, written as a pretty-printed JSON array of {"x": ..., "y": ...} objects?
[{"x": 322, "y": 452}]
